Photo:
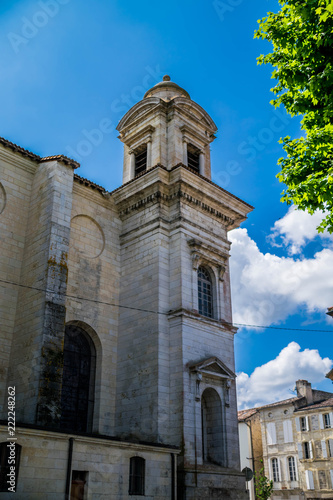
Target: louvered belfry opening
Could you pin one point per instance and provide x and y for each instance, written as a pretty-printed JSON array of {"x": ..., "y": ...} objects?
[
  {"x": 140, "y": 160},
  {"x": 193, "y": 157}
]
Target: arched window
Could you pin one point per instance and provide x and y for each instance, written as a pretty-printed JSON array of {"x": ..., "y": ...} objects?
[
  {"x": 212, "y": 428},
  {"x": 205, "y": 293},
  {"x": 78, "y": 380},
  {"x": 275, "y": 470},
  {"x": 137, "y": 476},
  {"x": 292, "y": 469}
]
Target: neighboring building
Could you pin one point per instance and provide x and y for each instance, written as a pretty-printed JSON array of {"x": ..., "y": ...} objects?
[
  {"x": 297, "y": 443},
  {"x": 116, "y": 316},
  {"x": 250, "y": 444}
]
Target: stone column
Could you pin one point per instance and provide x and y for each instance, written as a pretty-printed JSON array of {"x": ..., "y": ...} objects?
[
  {"x": 185, "y": 152},
  {"x": 132, "y": 165},
  {"x": 148, "y": 154},
  {"x": 201, "y": 164}
]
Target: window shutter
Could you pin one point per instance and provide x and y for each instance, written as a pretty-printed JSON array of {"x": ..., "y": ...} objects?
[
  {"x": 296, "y": 468},
  {"x": 331, "y": 419},
  {"x": 310, "y": 449},
  {"x": 324, "y": 449},
  {"x": 309, "y": 479},
  {"x": 321, "y": 420},
  {"x": 270, "y": 471},
  {"x": 287, "y": 431},
  {"x": 331, "y": 474},
  {"x": 298, "y": 427},
  {"x": 330, "y": 445},
  {"x": 271, "y": 433},
  {"x": 307, "y": 423},
  {"x": 300, "y": 450}
]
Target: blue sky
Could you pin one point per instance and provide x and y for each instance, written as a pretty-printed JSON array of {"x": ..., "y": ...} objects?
[{"x": 70, "y": 65}]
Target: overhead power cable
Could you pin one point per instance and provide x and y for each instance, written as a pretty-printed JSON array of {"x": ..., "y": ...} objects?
[{"x": 76, "y": 297}]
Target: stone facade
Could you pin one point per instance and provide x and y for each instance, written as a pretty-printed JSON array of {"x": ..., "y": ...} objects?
[
  {"x": 297, "y": 443},
  {"x": 102, "y": 290}
]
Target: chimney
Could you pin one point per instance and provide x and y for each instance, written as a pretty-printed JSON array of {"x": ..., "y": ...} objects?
[{"x": 304, "y": 390}]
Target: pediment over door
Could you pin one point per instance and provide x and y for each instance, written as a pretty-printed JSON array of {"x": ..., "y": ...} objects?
[{"x": 213, "y": 366}]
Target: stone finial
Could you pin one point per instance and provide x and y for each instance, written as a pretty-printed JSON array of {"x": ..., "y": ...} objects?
[{"x": 166, "y": 78}]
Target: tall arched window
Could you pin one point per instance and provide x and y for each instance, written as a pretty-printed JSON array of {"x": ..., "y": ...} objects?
[
  {"x": 205, "y": 293},
  {"x": 212, "y": 428},
  {"x": 78, "y": 380}
]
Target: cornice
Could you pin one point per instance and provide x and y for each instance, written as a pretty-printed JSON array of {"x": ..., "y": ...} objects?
[{"x": 17, "y": 160}]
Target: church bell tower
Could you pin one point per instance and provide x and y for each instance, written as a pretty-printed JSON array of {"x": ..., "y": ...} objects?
[{"x": 175, "y": 371}]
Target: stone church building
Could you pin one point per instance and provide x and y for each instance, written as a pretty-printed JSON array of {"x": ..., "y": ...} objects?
[{"x": 116, "y": 334}]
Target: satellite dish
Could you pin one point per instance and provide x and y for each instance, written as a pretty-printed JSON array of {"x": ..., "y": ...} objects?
[{"x": 248, "y": 473}]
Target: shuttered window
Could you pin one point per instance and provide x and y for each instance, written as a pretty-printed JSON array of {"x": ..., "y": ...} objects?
[
  {"x": 271, "y": 433},
  {"x": 140, "y": 161}
]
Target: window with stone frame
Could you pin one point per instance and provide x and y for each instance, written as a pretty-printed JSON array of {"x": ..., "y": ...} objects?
[
  {"x": 304, "y": 424},
  {"x": 275, "y": 470},
  {"x": 205, "y": 292},
  {"x": 193, "y": 157},
  {"x": 140, "y": 160},
  {"x": 327, "y": 421},
  {"x": 9, "y": 456},
  {"x": 322, "y": 480},
  {"x": 78, "y": 380},
  {"x": 307, "y": 449},
  {"x": 292, "y": 469},
  {"x": 137, "y": 476}
]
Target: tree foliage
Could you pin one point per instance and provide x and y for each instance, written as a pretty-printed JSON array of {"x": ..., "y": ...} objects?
[
  {"x": 263, "y": 485},
  {"x": 302, "y": 59}
]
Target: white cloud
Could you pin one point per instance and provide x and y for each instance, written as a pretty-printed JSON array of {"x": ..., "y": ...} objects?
[
  {"x": 273, "y": 381},
  {"x": 267, "y": 288},
  {"x": 297, "y": 228}
]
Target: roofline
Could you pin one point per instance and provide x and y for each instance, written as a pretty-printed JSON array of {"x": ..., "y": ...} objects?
[{"x": 39, "y": 159}]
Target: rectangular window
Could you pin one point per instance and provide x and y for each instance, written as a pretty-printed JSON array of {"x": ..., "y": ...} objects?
[
  {"x": 137, "y": 476},
  {"x": 292, "y": 469},
  {"x": 140, "y": 161},
  {"x": 275, "y": 470},
  {"x": 327, "y": 421},
  {"x": 307, "y": 447},
  {"x": 304, "y": 424}
]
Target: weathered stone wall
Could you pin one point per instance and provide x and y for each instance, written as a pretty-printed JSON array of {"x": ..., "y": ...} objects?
[
  {"x": 16, "y": 177},
  {"x": 93, "y": 290},
  {"x": 44, "y": 459}
]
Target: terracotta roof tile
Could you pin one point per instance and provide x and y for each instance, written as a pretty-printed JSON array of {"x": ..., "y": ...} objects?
[
  {"x": 323, "y": 404},
  {"x": 88, "y": 183},
  {"x": 25, "y": 152},
  {"x": 244, "y": 414}
]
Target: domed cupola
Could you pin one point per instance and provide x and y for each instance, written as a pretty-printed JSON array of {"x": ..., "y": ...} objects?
[
  {"x": 166, "y": 90},
  {"x": 166, "y": 128}
]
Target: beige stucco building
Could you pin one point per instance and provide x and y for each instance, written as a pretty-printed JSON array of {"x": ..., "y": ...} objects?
[
  {"x": 297, "y": 443},
  {"x": 116, "y": 317}
]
